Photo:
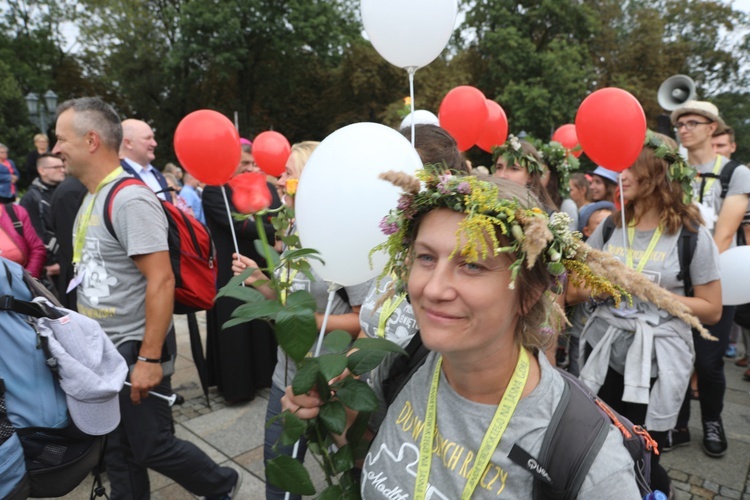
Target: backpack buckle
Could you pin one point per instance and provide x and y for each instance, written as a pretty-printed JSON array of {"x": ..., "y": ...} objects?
[{"x": 6, "y": 302}]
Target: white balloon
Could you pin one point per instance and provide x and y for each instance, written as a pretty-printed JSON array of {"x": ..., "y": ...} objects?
[
  {"x": 340, "y": 200},
  {"x": 421, "y": 117},
  {"x": 409, "y": 33},
  {"x": 734, "y": 269}
]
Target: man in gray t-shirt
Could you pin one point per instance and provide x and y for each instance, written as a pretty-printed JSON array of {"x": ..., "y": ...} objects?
[
  {"x": 696, "y": 122},
  {"x": 125, "y": 282}
]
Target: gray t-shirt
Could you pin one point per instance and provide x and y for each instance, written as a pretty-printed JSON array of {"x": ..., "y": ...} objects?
[
  {"x": 113, "y": 289},
  {"x": 400, "y": 326},
  {"x": 390, "y": 467},
  {"x": 319, "y": 290},
  {"x": 712, "y": 200},
  {"x": 663, "y": 265}
]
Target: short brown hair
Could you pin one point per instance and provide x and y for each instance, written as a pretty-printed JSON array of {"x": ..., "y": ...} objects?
[{"x": 727, "y": 131}]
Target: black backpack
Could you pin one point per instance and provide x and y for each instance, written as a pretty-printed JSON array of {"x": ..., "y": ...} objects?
[
  {"x": 725, "y": 178},
  {"x": 575, "y": 435}
]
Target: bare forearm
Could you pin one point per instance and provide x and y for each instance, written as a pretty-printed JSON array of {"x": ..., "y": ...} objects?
[{"x": 159, "y": 305}]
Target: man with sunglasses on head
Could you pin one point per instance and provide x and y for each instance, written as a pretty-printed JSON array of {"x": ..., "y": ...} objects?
[{"x": 695, "y": 123}]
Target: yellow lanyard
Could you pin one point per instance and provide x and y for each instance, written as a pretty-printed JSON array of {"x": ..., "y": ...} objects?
[
  {"x": 286, "y": 277},
  {"x": 83, "y": 223},
  {"x": 389, "y": 307},
  {"x": 491, "y": 439},
  {"x": 709, "y": 182},
  {"x": 649, "y": 250}
]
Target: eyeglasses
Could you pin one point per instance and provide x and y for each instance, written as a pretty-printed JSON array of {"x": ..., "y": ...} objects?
[
  {"x": 689, "y": 125},
  {"x": 56, "y": 167},
  {"x": 248, "y": 163}
]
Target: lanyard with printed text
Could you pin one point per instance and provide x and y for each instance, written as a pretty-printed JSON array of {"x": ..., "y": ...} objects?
[
  {"x": 491, "y": 439},
  {"x": 649, "y": 250},
  {"x": 83, "y": 223},
  {"x": 389, "y": 307}
]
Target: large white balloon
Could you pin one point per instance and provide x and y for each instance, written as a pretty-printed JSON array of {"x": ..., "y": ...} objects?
[
  {"x": 734, "y": 269},
  {"x": 409, "y": 33},
  {"x": 421, "y": 117},
  {"x": 340, "y": 200}
]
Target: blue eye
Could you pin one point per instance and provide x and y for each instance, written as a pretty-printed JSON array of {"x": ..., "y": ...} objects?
[{"x": 423, "y": 257}]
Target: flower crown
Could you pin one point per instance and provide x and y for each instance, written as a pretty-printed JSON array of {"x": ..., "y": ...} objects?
[
  {"x": 530, "y": 235},
  {"x": 513, "y": 154},
  {"x": 677, "y": 169},
  {"x": 562, "y": 161}
]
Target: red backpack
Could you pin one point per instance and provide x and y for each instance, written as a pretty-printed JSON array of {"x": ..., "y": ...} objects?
[{"x": 191, "y": 252}]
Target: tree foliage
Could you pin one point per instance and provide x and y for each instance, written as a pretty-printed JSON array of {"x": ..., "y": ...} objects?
[{"x": 302, "y": 67}]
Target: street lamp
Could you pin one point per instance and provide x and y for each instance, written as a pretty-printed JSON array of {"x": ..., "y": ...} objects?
[{"x": 41, "y": 112}]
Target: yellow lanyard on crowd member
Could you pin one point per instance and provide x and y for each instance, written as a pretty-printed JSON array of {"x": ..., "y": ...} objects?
[
  {"x": 491, "y": 439},
  {"x": 83, "y": 223},
  {"x": 287, "y": 278},
  {"x": 709, "y": 182},
  {"x": 389, "y": 307},
  {"x": 649, "y": 250}
]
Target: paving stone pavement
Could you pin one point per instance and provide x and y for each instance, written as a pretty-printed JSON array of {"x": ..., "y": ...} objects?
[{"x": 233, "y": 435}]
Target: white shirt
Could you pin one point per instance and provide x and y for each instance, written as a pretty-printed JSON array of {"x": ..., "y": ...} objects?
[{"x": 146, "y": 174}]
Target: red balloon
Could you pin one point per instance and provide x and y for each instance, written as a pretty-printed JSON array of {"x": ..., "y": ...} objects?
[
  {"x": 208, "y": 146},
  {"x": 250, "y": 193},
  {"x": 463, "y": 114},
  {"x": 566, "y": 135},
  {"x": 271, "y": 150},
  {"x": 495, "y": 129},
  {"x": 611, "y": 127}
]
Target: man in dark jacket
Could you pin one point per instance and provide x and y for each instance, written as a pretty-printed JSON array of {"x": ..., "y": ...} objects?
[{"x": 38, "y": 202}]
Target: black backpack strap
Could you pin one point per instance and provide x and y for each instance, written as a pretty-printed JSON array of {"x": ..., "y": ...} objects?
[
  {"x": 14, "y": 218},
  {"x": 686, "y": 245},
  {"x": 726, "y": 178},
  {"x": 572, "y": 441},
  {"x": 404, "y": 367},
  {"x": 607, "y": 229},
  {"x": 726, "y": 175}
]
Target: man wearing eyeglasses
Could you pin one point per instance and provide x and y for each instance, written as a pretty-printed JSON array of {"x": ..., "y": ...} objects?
[
  {"x": 723, "y": 208},
  {"x": 38, "y": 201}
]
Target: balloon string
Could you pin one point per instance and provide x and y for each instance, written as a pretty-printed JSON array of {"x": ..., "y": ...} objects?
[
  {"x": 411, "y": 97},
  {"x": 231, "y": 222},
  {"x": 622, "y": 214}
]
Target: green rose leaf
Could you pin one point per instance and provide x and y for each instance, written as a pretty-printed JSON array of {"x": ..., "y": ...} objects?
[
  {"x": 269, "y": 251},
  {"x": 333, "y": 416},
  {"x": 235, "y": 282},
  {"x": 294, "y": 428},
  {"x": 295, "y": 330},
  {"x": 337, "y": 341},
  {"x": 246, "y": 294},
  {"x": 377, "y": 344},
  {"x": 307, "y": 253},
  {"x": 343, "y": 459},
  {"x": 289, "y": 475},
  {"x": 254, "y": 310},
  {"x": 301, "y": 299},
  {"x": 360, "y": 362},
  {"x": 306, "y": 376},
  {"x": 331, "y": 365},
  {"x": 357, "y": 395}
]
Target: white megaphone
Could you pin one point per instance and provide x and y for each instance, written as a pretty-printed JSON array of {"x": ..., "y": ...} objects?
[{"x": 675, "y": 91}]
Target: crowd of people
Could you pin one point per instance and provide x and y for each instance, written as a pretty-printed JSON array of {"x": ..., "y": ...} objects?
[{"x": 487, "y": 306}]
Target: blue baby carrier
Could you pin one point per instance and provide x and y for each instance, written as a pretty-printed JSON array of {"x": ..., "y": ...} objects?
[{"x": 42, "y": 453}]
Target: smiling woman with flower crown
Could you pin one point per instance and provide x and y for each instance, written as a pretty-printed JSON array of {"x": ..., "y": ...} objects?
[{"x": 479, "y": 260}]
